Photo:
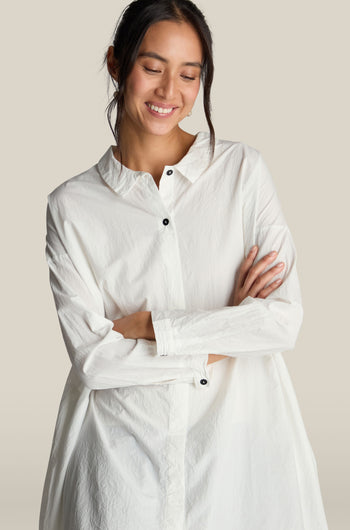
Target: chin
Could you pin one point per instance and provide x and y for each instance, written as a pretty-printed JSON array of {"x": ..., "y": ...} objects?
[{"x": 162, "y": 129}]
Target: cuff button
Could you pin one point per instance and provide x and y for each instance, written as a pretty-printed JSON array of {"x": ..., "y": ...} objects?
[{"x": 203, "y": 381}]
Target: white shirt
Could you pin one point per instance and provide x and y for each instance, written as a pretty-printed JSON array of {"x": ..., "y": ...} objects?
[{"x": 148, "y": 436}]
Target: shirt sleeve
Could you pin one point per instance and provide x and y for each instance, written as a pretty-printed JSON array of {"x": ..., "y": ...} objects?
[
  {"x": 256, "y": 326},
  {"x": 102, "y": 357}
]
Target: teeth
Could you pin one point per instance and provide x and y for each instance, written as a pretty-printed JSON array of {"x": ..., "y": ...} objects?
[{"x": 159, "y": 109}]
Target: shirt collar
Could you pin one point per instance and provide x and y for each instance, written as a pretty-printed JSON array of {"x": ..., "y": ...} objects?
[{"x": 121, "y": 178}]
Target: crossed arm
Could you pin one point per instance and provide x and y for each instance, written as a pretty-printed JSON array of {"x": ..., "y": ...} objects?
[{"x": 252, "y": 281}]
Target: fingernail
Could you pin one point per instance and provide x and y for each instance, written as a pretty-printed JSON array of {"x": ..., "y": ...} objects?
[
  {"x": 272, "y": 253},
  {"x": 253, "y": 249}
]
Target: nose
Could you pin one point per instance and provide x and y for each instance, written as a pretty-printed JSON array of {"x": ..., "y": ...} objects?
[{"x": 167, "y": 87}]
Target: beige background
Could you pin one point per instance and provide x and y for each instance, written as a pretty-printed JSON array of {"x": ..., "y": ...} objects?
[{"x": 282, "y": 86}]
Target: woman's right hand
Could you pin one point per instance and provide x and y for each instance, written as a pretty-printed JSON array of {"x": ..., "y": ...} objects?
[{"x": 252, "y": 281}]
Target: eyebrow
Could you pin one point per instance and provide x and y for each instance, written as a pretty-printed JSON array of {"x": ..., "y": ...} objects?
[{"x": 156, "y": 56}]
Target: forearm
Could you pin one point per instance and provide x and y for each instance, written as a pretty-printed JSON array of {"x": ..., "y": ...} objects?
[
  {"x": 139, "y": 326},
  {"x": 135, "y": 326},
  {"x": 213, "y": 358}
]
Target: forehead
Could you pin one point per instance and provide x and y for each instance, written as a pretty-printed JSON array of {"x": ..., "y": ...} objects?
[{"x": 177, "y": 40}]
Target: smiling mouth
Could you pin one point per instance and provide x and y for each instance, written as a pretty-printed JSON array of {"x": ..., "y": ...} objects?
[{"x": 160, "y": 110}]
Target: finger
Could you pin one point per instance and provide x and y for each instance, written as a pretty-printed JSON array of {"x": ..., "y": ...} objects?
[
  {"x": 265, "y": 278},
  {"x": 264, "y": 293},
  {"x": 258, "y": 268},
  {"x": 246, "y": 265}
]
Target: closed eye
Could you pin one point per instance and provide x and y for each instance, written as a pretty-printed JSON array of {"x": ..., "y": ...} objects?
[
  {"x": 150, "y": 70},
  {"x": 187, "y": 77}
]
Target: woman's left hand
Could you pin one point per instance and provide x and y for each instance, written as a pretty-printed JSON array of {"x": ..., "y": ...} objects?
[
  {"x": 252, "y": 280},
  {"x": 135, "y": 326}
]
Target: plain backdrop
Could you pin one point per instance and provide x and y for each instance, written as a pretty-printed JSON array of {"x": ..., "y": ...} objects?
[{"x": 281, "y": 85}]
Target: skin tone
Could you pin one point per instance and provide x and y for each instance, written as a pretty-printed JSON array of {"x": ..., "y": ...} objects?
[{"x": 166, "y": 74}]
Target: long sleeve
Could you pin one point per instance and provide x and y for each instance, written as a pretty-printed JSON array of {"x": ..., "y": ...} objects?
[
  {"x": 102, "y": 357},
  {"x": 257, "y": 326}
]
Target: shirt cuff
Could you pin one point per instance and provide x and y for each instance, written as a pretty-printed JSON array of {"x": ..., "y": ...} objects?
[
  {"x": 164, "y": 345},
  {"x": 163, "y": 335},
  {"x": 201, "y": 376}
]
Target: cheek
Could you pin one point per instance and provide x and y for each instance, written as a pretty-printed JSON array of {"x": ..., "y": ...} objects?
[
  {"x": 136, "y": 85},
  {"x": 192, "y": 92}
]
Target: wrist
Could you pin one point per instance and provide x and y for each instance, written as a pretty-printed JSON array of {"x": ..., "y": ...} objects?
[{"x": 146, "y": 326}]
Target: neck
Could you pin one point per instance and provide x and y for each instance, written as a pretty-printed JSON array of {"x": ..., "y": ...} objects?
[{"x": 148, "y": 152}]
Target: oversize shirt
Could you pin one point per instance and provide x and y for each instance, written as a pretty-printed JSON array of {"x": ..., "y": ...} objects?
[{"x": 148, "y": 436}]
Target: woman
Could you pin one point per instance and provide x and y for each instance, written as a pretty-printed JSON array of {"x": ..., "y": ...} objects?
[{"x": 178, "y": 412}]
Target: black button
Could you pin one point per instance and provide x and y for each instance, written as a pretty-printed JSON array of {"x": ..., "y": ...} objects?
[
  {"x": 203, "y": 381},
  {"x": 169, "y": 172},
  {"x": 165, "y": 221}
]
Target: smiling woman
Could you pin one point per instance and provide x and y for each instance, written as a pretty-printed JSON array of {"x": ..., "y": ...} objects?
[
  {"x": 178, "y": 412},
  {"x": 160, "y": 91}
]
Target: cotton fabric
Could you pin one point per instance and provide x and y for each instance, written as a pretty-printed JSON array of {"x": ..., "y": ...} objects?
[{"x": 148, "y": 436}]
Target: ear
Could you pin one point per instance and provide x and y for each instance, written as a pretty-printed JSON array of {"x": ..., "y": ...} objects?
[{"x": 112, "y": 63}]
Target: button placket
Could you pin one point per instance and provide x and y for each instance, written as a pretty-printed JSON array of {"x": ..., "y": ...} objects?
[
  {"x": 166, "y": 189},
  {"x": 174, "y": 484}
]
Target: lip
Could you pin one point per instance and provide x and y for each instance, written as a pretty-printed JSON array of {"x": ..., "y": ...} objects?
[
  {"x": 161, "y": 105},
  {"x": 157, "y": 114}
]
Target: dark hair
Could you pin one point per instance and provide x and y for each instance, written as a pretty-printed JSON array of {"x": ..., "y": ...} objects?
[{"x": 129, "y": 32}]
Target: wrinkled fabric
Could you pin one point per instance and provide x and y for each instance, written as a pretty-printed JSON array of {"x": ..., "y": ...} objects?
[{"x": 148, "y": 436}]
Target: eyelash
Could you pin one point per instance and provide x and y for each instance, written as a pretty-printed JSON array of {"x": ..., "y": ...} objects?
[{"x": 188, "y": 78}]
